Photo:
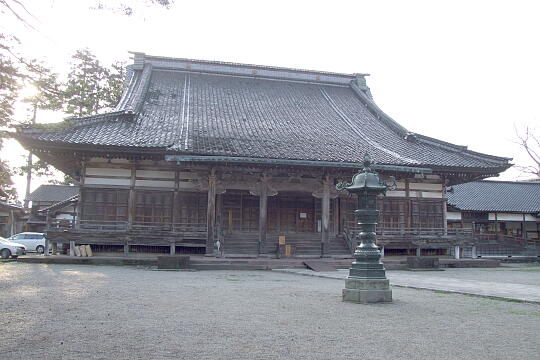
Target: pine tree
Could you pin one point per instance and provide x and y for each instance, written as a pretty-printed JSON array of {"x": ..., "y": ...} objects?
[
  {"x": 48, "y": 96},
  {"x": 84, "y": 84},
  {"x": 92, "y": 87},
  {"x": 9, "y": 89}
]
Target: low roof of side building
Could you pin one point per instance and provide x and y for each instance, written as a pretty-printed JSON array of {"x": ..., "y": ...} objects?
[
  {"x": 5, "y": 206},
  {"x": 496, "y": 196},
  {"x": 53, "y": 193}
]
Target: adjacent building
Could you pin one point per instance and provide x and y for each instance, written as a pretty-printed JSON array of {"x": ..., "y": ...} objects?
[
  {"x": 242, "y": 160},
  {"x": 498, "y": 207},
  {"x": 12, "y": 219},
  {"x": 59, "y": 201}
]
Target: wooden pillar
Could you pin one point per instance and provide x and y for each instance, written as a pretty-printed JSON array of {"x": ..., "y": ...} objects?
[
  {"x": 211, "y": 213},
  {"x": 335, "y": 209},
  {"x": 445, "y": 221},
  {"x": 325, "y": 217},
  {"x": 456, "y": 252},
  {"x": 408, "y": 209},
  {"x": 132, "y": 199},
  {"x": 172, "y": 249},
  {"x": 418, "y": 251},
  {"x": 496, "y": 223},
  {"x": 126, "y": 249},
  {"x": 263, "y": 215},
  {"x": 80, "y": 208},
  {"x": 219, "y": 216},
  {"x": 524, "y": 228},
  {"x": 47, "y": 247},
  {"x": 176, "y": 199},
  {"x": 48, "y": 220},
  {"x": 473, "y": 252}
]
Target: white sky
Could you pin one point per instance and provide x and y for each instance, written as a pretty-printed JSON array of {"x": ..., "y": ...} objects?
[{"x": 462, "y": 71}]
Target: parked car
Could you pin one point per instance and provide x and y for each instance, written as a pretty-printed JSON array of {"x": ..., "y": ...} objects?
[
  {"x": 9, "y": 248},
  {"x": 32, "y": 240}
]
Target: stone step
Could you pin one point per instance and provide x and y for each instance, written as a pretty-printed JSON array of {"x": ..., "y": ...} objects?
[{"x": 210, "y": 266}]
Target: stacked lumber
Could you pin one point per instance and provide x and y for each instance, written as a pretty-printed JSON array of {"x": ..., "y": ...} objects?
[{"x": 83, "y": 251}]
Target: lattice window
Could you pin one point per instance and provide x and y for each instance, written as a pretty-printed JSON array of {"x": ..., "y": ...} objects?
[
  {"x": 153, "y": 206},
  {"x": 105, "y": 204},
  {"x": 427, "y": 214}
]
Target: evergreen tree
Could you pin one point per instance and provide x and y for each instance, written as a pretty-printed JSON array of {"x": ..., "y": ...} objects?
[
  {"x": 48, "y": 96},
  {"x": 9, "y": 89},
  {"x": 84, "y": 85},
  {"x": 90, "y": 86}
]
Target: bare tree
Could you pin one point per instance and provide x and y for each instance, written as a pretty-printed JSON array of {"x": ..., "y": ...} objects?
[{"x": 530, "y": 142}]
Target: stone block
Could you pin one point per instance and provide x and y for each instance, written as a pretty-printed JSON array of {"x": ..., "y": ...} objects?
[
  {"x": 367, "y": 291},
  {"x": 173, "y": 262},
  {"x": 418, "y": 262},
  {"x": 367, "y": 273},
  {"x": 367, "y": 284},
  {"x": 367, "y": 296}
]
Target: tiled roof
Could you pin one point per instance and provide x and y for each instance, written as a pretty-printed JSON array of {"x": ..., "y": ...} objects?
[
  {"x": 183, "y": 106},
  {"x": 61, "y": 204},
  {"x": 502, "y": 196},
  {"x": 53, "y": 193},
  {"x": 5, "y": 205}
]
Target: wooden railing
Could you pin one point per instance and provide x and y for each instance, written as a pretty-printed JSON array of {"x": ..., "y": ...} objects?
[
  {"x": 386, "y": 235},
  {"x": 506, "y": 239},
  {"x": 124, "y": 226}
]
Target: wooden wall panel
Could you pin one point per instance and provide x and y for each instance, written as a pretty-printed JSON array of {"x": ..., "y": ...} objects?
[{"x": 107, "y": 181}]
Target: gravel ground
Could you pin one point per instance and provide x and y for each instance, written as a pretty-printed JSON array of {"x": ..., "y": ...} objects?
[{"x": 102, "y": 312}]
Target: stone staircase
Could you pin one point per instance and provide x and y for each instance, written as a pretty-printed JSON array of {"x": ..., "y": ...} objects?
[
  {"x": 241, "y": 244},
  {"x": 304, "y": 244},
  {"x": 339, "y": 247}
]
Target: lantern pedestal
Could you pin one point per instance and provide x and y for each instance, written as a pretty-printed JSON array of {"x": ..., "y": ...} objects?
[
  {"x": 367, "y": 282},
  {"x": 367, "y": 291}
]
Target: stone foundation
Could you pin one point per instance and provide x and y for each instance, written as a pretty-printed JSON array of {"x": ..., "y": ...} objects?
[{"x": 366, "y": 291}]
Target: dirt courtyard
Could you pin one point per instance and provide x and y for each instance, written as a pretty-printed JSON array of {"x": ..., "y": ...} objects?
[{"x": 107, "y": 312}]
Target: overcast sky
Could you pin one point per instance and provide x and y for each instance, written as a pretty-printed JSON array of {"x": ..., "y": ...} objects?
[{"x": 465, "y": 72}]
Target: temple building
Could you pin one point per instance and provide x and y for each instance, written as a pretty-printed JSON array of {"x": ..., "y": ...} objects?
[{"x": 242, "y": 160}]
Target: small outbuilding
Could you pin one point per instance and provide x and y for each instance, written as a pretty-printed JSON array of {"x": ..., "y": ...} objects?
[{"x": 54, "y": 198}]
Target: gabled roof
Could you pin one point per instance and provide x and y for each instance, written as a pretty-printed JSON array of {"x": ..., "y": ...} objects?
[
  {"x": 194, "y": 107},
  {"x": 53, "y": 193},
  {"x": 500, "y": 196}
]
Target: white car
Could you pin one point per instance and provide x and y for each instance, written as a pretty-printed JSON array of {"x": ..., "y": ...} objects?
[
  {"x": 32, "y": 240},
  {"x": 9, "y": 248}
]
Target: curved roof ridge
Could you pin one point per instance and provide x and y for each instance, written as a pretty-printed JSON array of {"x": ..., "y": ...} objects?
[
  {"x": 361, "y": 133},
  {"x": 380, "y": 114},
  {"x": 128, "y": 90},
  {"x": 136, "y": 94}
]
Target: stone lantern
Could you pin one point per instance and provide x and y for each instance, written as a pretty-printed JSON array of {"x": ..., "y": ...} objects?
[{"x": 367, "y": 282}]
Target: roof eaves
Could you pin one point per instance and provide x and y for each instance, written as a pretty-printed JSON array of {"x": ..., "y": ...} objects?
[
  {"x": 11, "y": 206},
  {"x": 501, "y": 161}
]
